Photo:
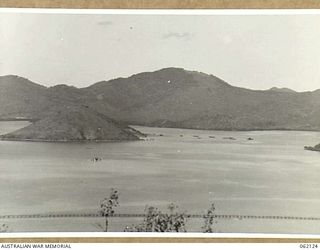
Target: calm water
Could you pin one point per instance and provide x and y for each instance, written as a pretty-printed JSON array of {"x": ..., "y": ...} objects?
[{"x": 270, "y": 175}]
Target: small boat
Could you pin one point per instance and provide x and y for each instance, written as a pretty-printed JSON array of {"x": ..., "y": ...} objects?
[{"x": 96, "y": 159}]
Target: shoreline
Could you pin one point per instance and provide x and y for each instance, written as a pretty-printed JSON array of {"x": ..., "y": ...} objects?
[
  {"x": 310, "y": 148},
  {"x": 232, "y": 130},
  {"x": 191, "y": 128},
  {"x": 69, "y": 141},
  {"x": 17, "y": 120},
  {"x": 177, "y": 127},
  {"x": 136, "y": 127}
]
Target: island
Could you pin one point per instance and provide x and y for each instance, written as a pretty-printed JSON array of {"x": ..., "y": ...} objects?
[{"x": 74, "y": 123}]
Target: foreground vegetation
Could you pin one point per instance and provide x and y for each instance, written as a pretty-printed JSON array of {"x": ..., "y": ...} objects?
[{"x": 156, "y": 220}]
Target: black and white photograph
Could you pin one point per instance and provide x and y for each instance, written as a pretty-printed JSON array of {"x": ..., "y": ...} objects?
[{"x": 160, "y": 122}]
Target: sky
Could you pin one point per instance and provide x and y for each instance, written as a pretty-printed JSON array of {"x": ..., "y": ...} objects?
[{"x": 256, "y": 52}]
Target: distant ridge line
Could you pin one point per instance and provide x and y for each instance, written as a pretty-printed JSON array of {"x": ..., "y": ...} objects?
[{"x": 276, "y": 88}]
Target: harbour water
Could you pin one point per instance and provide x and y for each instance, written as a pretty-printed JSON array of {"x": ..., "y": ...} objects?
[{"x": 270, "y": 174}]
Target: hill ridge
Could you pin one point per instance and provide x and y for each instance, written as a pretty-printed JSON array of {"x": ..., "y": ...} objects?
[{"x": 173, "y": 97}]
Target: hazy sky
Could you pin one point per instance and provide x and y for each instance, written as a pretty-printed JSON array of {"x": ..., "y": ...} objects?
[{"x": 255, "y": 52}]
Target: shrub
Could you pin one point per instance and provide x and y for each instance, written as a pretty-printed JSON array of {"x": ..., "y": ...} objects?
[{"x": 157, "y": 221}]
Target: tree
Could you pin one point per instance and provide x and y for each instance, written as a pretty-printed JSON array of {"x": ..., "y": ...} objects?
[
  {"x": 209, "y": 220},
  {"x": 108, "y": 205}
]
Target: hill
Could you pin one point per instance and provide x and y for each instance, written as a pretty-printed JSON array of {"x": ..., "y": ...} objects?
[
  {"x": 171, "y": 97},
  {"x": 74, "y": 124},
  {"x": 174, "y": 97},
  {"x": 20, "y": 97}
]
